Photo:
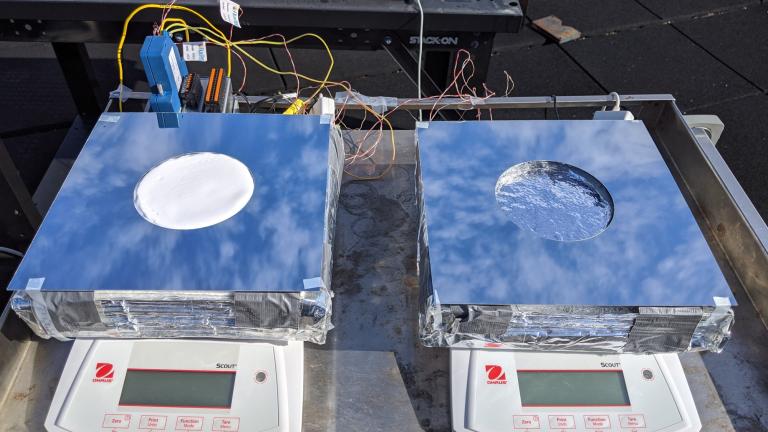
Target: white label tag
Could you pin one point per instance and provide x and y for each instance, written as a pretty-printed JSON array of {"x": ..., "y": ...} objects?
[
  {"x": 175, "y": 68},
  {"x": 194, "y": 51},
  {"x": 109, "y": 118},
  {"x": 35, "y": 283},
  {"x": 230, "y": 12}
]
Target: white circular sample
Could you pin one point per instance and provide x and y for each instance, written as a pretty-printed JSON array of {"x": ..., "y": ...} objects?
[
  {"x": 554, "y": 200},
  {"x": 194, "y": 190}
]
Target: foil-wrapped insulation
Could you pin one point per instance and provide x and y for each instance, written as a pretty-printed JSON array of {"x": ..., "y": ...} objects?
[
  {"x": 304, "y": 316},
  {"x": 561, "y": 236},
  {"x": 563, "y": 328},
  {"x": 264, "y": 273}
]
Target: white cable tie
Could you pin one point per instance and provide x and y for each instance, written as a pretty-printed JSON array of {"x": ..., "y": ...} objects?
[{"x": 617, "y": 98}]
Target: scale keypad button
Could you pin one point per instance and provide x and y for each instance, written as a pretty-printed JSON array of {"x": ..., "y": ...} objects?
[
  {"x": 526, "y": 422},
  {"x": 632, "y": 421},
  {"x": 226, "y": 424},
  {"x": 562, "y": 422},
  {"x": 152, "y": 422},
  {"x": 116, "y": 421},
  {"x": 602, "y": 422},
  {"x": 189, "y": 423}
]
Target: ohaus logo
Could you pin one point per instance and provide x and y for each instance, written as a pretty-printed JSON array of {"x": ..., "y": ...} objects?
[
  {"x": 105, "y": 372},
  {"x": 495, "y": 374}
]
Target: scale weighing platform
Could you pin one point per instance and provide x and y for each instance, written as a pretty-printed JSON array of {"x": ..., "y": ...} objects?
[
  {"x": 499, "y": 390},
  {"x": 179, "y": 385}
]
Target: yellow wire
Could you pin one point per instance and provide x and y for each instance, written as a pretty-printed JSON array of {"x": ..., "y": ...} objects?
[
  {"x": 205, "y": 32},
  {"x": 159, "y": 6},
  {"x": 177, "y": 20},
  {"x": 222, "y": 40},
  {"x": 324, "y": 82}
]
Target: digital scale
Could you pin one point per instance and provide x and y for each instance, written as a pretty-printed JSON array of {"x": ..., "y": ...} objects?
[
  {"x": 499, "y": 390},
  {"x": 153, "y": 385}
]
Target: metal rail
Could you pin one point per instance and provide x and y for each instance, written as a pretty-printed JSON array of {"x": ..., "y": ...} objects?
[{"x": 513, "y": 102}]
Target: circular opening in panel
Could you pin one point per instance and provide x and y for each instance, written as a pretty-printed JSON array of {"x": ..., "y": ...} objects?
[
  {"x": 194, "y": 190},
  {"x": 554, "y": 200}
]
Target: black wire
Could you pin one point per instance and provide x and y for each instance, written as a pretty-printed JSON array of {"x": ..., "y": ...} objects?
[
  {"x": 554, "y": 102},
  {"x": 245, "y": 97}
]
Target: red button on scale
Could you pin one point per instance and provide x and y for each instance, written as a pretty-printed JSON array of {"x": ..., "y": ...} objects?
[
  {"x": 226, "y": 424},
  {"x": 526, "y": 422},
  {"x": 562, "y": 422},
  {"x": 116, "y": 421},
  {"x": 189, "y": 423},
  {"x": 597, "y": 422},
  {"x": 632, "y": 421},
  {"x": 152, "y": 422}
]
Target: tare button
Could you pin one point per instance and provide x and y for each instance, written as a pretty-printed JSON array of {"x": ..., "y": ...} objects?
[
  {"x": 526, "y": 422},
  {"x": 189, "y": 423},
  {"x": 226, "y": 424},
  {"x": 597, "y": 422},
  {"x": 562, "y": 422},
  {"x": 632, "y": 421}
]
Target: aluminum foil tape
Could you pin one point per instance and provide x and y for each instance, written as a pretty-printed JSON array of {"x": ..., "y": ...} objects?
[{"x": 303, "y": 314}]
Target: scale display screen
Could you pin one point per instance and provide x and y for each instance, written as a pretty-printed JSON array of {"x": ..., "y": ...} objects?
[
  {"x": 184, "y": 389},
  {"x": 542, "y": 388}
]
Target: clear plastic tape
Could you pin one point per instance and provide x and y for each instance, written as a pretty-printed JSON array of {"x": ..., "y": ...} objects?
[
  {"x": 44, "y": 318},
  {"x": 379, "y": 104},
  {"x": 302, "y": 315},
  {"x": 566, "y": 328}
]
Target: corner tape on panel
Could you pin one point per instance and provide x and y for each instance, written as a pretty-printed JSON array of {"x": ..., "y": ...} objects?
[
  {"x": 722, "y": 306},
  {"x": 422, "y": 125},
  {"x": 314, "y": 283},
  {"x": 107, "y": 118},
  {"x": 722, "y": 301},
  {"x": 35, "y": 283}
]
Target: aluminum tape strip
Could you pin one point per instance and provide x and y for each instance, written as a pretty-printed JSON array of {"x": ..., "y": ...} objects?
[{"x": 39, "y": 306}]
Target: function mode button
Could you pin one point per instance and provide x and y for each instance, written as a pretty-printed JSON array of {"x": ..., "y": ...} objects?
[
  {"x": 116, "y": 421},
  {"x": 226, "y": 424},
  {"x": 632, "y": 421},
  {"x": 599, "y": 422},
  {"x": 526, "y": 422},
  {"x": 186, "y": 423},
  {"x": 152, "y": 422},
  {"x": 562, "y": 422}
]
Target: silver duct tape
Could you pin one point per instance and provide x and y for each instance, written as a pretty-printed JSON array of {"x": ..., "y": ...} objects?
[{"x": 577, "y": 328}]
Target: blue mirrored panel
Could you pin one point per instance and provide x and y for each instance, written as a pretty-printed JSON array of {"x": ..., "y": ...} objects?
[
  {"x": 613, "y": 231},
  {"x": 93, "y": 237}
]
